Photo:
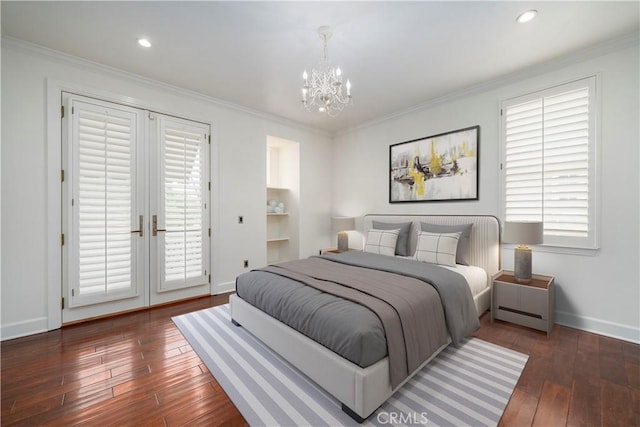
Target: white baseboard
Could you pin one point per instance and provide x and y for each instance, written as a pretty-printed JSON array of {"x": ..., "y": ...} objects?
[
  {"x": 597, "y": 326},
  {"x": 222, "y": 288},
  {"x": 24, "y": 328},
  {"x": 39, "y": 325}
]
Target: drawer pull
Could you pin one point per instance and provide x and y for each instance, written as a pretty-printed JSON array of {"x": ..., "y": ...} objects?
[{"x": 524, "y": 313}]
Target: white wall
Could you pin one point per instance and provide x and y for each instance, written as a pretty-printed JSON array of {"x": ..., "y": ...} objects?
[
  {"x": 239, "y": 177},
  {"x": 347, "y": 176},
  {"x": 598, "y": 291}
]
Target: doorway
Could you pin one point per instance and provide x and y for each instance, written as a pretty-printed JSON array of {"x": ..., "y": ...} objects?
[{"x": 135, "y": 208}]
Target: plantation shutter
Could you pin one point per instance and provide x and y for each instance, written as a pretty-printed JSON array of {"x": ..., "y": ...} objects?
[
  {"x": 183, "y": 171},
  {"x": 548, "y": 162},
  {"x": 104, "y": 147}
]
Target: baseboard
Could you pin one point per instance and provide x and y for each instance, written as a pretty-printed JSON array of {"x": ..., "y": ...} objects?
[
  {"x": 223, "y": 288},
  {"x": 24, "y": 328},
  {"x": 39, "y": 325},
  {"x": 597, "y": 326}
]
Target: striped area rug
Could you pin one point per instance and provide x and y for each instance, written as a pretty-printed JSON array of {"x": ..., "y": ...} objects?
[{"x": 465, "y": 386}]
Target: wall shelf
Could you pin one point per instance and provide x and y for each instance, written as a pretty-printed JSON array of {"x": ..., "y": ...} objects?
[{"x": 278, "y": 239}]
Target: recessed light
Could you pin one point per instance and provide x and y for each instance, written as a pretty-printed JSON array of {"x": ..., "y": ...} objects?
[
  {"x": 144, "y": 42},
  {"x": 527, "y": 16}
]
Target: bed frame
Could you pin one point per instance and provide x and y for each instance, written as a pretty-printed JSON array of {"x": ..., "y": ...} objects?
[{"x": 362, "y": 390}]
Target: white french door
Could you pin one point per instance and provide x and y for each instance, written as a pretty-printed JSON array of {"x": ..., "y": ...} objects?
[
  {"x": 135, "y": 208},
  {"x": 179, "y": 206}
]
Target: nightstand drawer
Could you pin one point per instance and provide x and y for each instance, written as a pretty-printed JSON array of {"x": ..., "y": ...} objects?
[{"x": 525, "y": 299}]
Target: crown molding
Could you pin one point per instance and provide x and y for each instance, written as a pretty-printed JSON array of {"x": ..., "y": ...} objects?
[
  {"x": 9, "y": 42},
  {"x": 594, "y": 51}
]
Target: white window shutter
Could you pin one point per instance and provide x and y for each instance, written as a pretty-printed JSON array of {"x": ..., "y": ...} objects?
[
  {"x": 104, "y": 143},
  {"x": 566, "y": 164},
  {"x": 183, "y": 168},
  {"x": 548, "y": 168},
  {"x": 523, "y": 162}
]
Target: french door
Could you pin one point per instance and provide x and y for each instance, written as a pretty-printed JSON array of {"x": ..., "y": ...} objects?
[{"x": 135, "y": 208}]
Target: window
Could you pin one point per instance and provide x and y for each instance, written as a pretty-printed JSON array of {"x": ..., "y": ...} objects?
[{"x": 548, "y": 163}]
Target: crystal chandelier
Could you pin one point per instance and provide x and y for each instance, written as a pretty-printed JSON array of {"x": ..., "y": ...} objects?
[{"x": 324, "y": 90}]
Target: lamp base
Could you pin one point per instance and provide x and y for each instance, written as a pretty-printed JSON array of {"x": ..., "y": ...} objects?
[
  {"x": 522, "y": 264},
  {"x": 343, "y": 241}
]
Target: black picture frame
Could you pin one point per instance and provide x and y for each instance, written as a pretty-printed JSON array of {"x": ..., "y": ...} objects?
[{"x": 437, "y": 168}]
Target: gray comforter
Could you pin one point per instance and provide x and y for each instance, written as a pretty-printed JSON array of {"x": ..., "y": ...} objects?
[
  {"x": 299, "y": 293},
  {"x": 457, "y": 301}
]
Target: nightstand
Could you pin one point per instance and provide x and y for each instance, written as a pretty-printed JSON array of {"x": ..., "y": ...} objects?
[
  {"x": 335, "y": 251},
  {"x": 529, "y": 304}
]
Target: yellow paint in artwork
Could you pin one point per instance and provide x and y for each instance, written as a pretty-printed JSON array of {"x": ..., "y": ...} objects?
[
  {"x": 418, "y": 177},
  {"x": 436, "y": 162},
  {"x": 466, "y": 150}
]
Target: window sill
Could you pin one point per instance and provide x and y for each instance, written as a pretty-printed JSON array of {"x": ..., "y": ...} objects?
[{"x": 558, "y": 249}]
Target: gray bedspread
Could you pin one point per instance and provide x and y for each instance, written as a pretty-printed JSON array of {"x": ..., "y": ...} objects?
[
  {"x": 457, "y": 301},
  {"x": 299, "y": 294},
  {"x": 349, "y": 329}
]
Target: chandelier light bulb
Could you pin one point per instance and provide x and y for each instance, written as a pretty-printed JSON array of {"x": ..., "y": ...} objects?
[{"x": 323, "y": 88}]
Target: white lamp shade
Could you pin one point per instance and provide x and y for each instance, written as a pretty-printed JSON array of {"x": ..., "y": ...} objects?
[
  {"x": 343, "y": 223},
  {"x": 523, "y": 233}
]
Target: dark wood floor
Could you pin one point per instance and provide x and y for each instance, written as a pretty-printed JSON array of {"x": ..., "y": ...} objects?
[
  {"x": 137, "y": 369},
  {"x": 574, "y": 378}
]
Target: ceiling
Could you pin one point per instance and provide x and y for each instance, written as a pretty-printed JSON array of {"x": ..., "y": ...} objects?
[{"x": 396, "y": 54}]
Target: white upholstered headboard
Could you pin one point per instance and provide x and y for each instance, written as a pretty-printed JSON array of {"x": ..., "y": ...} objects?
[{"x": 484, "y": 240}]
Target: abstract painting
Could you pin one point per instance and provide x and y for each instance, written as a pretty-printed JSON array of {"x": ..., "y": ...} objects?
[{"x": 441, "y": 167}]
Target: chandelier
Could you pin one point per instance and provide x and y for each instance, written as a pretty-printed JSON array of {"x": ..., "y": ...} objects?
[{"x": 324, "y": 89}]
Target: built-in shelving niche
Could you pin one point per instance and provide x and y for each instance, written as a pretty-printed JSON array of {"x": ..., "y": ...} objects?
[{"x": 283, "y": 189}]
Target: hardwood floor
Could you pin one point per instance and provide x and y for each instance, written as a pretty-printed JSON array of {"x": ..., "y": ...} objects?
[
  {"x": 133, "y": 369},
  {"x": 574, "y": 378},
  {"x": 137, "y": 369}
]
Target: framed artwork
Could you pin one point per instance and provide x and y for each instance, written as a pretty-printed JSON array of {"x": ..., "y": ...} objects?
[{"x": 437, "y": 168}]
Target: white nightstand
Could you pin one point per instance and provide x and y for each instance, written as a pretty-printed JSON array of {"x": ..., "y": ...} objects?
[{"x": 529, "y": 304}]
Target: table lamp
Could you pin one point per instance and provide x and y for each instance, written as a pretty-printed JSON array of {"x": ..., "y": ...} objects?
[
  {"x": 522, "y": 234},
  {"x": 342, "y": 224}
]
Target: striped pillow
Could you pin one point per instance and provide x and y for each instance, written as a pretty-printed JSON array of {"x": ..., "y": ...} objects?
[
  {"x": 382, "y": 242},
  {"x": 437, "y": 248}
]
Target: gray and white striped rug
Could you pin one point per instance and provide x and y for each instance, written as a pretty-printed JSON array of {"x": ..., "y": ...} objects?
[{"x": 465, "y": 386}]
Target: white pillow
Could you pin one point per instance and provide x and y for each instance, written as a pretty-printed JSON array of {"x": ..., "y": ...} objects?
[
  {"x": 437, "y": 248},
  {"x": 382, "y": 242}
]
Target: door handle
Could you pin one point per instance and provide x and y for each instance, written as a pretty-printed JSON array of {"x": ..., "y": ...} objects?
[
  {"x": 155, "y": 225},
  {"x": 140, "y": 226}
]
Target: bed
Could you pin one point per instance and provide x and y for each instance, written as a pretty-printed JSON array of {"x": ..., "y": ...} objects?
[{"x": 362, "y": 388}]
